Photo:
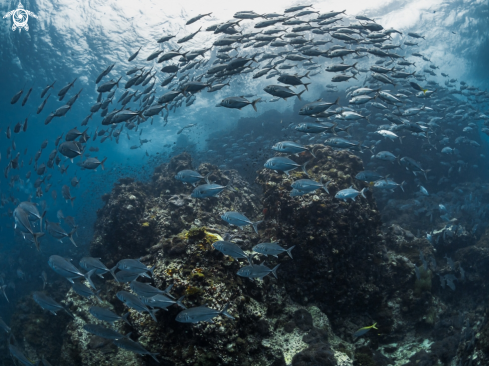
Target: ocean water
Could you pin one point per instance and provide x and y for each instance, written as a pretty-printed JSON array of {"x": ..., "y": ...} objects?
[{"x": 423, "y": 131}]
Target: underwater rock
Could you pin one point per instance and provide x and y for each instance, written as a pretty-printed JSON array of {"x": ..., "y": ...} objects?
[
  {"x": 137, "y": 216},
  {"x": 337, "y": 243}
]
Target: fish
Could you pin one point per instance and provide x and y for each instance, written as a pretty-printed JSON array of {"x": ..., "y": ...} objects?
[
  {"x": 238, "y": 103},
  {"x": 309, "y": 185},
  {"x": 21, "y": 218},
  {"x": 106, "y": 315},
  {"x": 196, "y": 18},
  {"x": 84, "y": 291},
  {"x": 101, "y": 331},
  {"x": 26, "y": 97},
  {"x": 44, "y": 278},
  {"x": 130, "y": 345},
  {"x": 131, "y": 265},
  {"x": 56, "y": 231},
  {"x": 134, "y": 55},
  {"x": 17, "y": 96},
  {"x": 134, "y": 302},
  {"x": 146, "y": 290},
  {"x": 362, "y": 331},
  {"x": 350, "y": 192},
  {"x": 237, "y": 219},
  {"x": 46, "y": 89},
  {"x": 231, "y": 249},
  {"x": 201, "y": 313},
  {"x": 47, "y": 303},
  {"x": 64, "y": 268},
  {"x": 93, "y": 163},
  {"x": 253, "y": 271},
  {"x": 4, "y": 326},
  {"x": 284, "y": 164},
  {"x": 291, "y": 148},
  {"x": 89, "y": 263},
  {"x": 273, "y": 249},
  {"x": 64, "y": 90},
  {"x": 17, "y": 354},
  {"x": 282, "y": 92},
  {"x": 162, "y": 301}
]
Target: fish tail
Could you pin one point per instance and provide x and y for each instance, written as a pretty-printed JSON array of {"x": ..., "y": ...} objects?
[
  {"x": 68, "y": 312},
  {"x": 167, "y": 291},
  {"x": 36, "y": 236},
  {"x": 299, "y": 95},
  {"x": 361, "y": 192},
  {"x": 154, "y": 356},
  {"x": 97, "y": 296},
  {"x": 70, "y": 235},
  {"x": 325, "y": 185},
  {"x": 152, "y": 313},
  {"x": 312, "y": 153},
  {"x": 402, "y": 185},
  {"x": 289, "y": 251},
  {"x": 255, "y": 225},
  {"x": 274, "y": 270},
  {"x": 179, "y": 302},
  {"x": 4, "y": 293},
  {"x": 88, "y": 277},
  {"x": 225, "y": 312},
  {"x": 125, "y": 318},
  {"x": 304, "y": 167},
  {"x": 253, "y": 104},
  {"x": 305, "y": 85},
  {"x": 72, "y": 199},
  {"x": 112, "y": 272},
  {"x": 102, "y": 163},
  {"x": 151, "y": 270}
]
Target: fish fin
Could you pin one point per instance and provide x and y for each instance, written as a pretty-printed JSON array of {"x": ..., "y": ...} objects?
[
  {"x": 225, "y": 313},
  {"x": 253, "y": 104},
  {"x": 88, "y": 277},
  {"x": 112, "y": 271},
  {"x": 304, "y": 168},
  {"x": 274, "y": 270},
  {"x": 167, "y": 291},
  {"x": 255, "y": 225},
  {"x": 125, "y": 318},
  {"x": 154, "y": 356},
  {"x": 67, "y": 312},
  {"x": 36, "y": 236},
  {"x": 361, "y": 192},
  {"x": 179, "y": 302},
  {"x": 299, "y": 95},
  {"x": 4, "y": 293},
  {"x": 102, "y": 163},
  {"x": 290, "y": 250},
  {"x": 325, "y": 185},
  {"x": 70, "y": 236},
  {"x": 152, "y": 313}
]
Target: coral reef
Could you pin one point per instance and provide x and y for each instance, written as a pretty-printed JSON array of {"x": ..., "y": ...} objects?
[{"x": 348, "y": 271}]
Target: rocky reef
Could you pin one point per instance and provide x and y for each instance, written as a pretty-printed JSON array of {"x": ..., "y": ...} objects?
[{"x": 348, "y": 271}]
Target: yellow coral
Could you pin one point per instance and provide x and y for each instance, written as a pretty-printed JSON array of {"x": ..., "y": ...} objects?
[
  {"x": 192, "y": 290},
  {"x": 145, "y": 224}
]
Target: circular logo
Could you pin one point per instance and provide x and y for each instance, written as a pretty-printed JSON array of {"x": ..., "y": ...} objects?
[{"x": 20, "y": 18}]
